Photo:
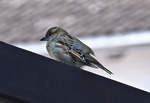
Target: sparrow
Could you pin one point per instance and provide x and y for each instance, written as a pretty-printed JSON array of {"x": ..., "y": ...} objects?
[{"x": 65, "y": 48}]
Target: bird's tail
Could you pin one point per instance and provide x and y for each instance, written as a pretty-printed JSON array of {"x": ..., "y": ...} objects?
[
  {"x": 94, "y": 63},
  {"x": 105, "y": 69}
]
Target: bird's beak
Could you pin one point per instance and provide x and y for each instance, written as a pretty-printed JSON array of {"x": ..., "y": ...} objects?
[{"x": 43, "y": 39}]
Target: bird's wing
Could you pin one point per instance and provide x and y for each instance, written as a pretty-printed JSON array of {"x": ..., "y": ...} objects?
[
  {"x": 73, "y": 49},
  {"x": 85, "y": 48},
  {"x": 80, "y": 52},
  {"x": 76, "y": 44},
  {"x": 76, "y": 55}
]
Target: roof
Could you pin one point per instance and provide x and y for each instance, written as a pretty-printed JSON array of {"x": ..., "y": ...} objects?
[
  {"x": 26, "y": 20},
  {"x": 37, "y": 79}
]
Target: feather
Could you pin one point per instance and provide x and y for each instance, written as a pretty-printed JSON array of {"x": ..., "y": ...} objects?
[
  {"x": 94, "y": 63},
  {"x": 71, "y": 50}
]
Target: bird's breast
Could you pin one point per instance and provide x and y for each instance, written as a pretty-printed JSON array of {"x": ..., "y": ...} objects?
[
  {"x": 50, "y": 48},
  {"x": 57, "y": 52}
]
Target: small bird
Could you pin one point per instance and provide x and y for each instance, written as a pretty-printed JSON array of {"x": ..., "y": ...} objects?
[{"x": 68, "y": 49}]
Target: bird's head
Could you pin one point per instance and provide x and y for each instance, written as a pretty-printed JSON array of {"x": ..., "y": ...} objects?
[{"x": 52, "y": 31}]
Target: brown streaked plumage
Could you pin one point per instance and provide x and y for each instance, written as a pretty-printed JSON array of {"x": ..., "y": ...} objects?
[{"x": 65, "y": 48}]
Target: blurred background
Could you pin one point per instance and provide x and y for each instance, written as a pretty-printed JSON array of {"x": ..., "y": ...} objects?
[{"x": 117, "y": 30}]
